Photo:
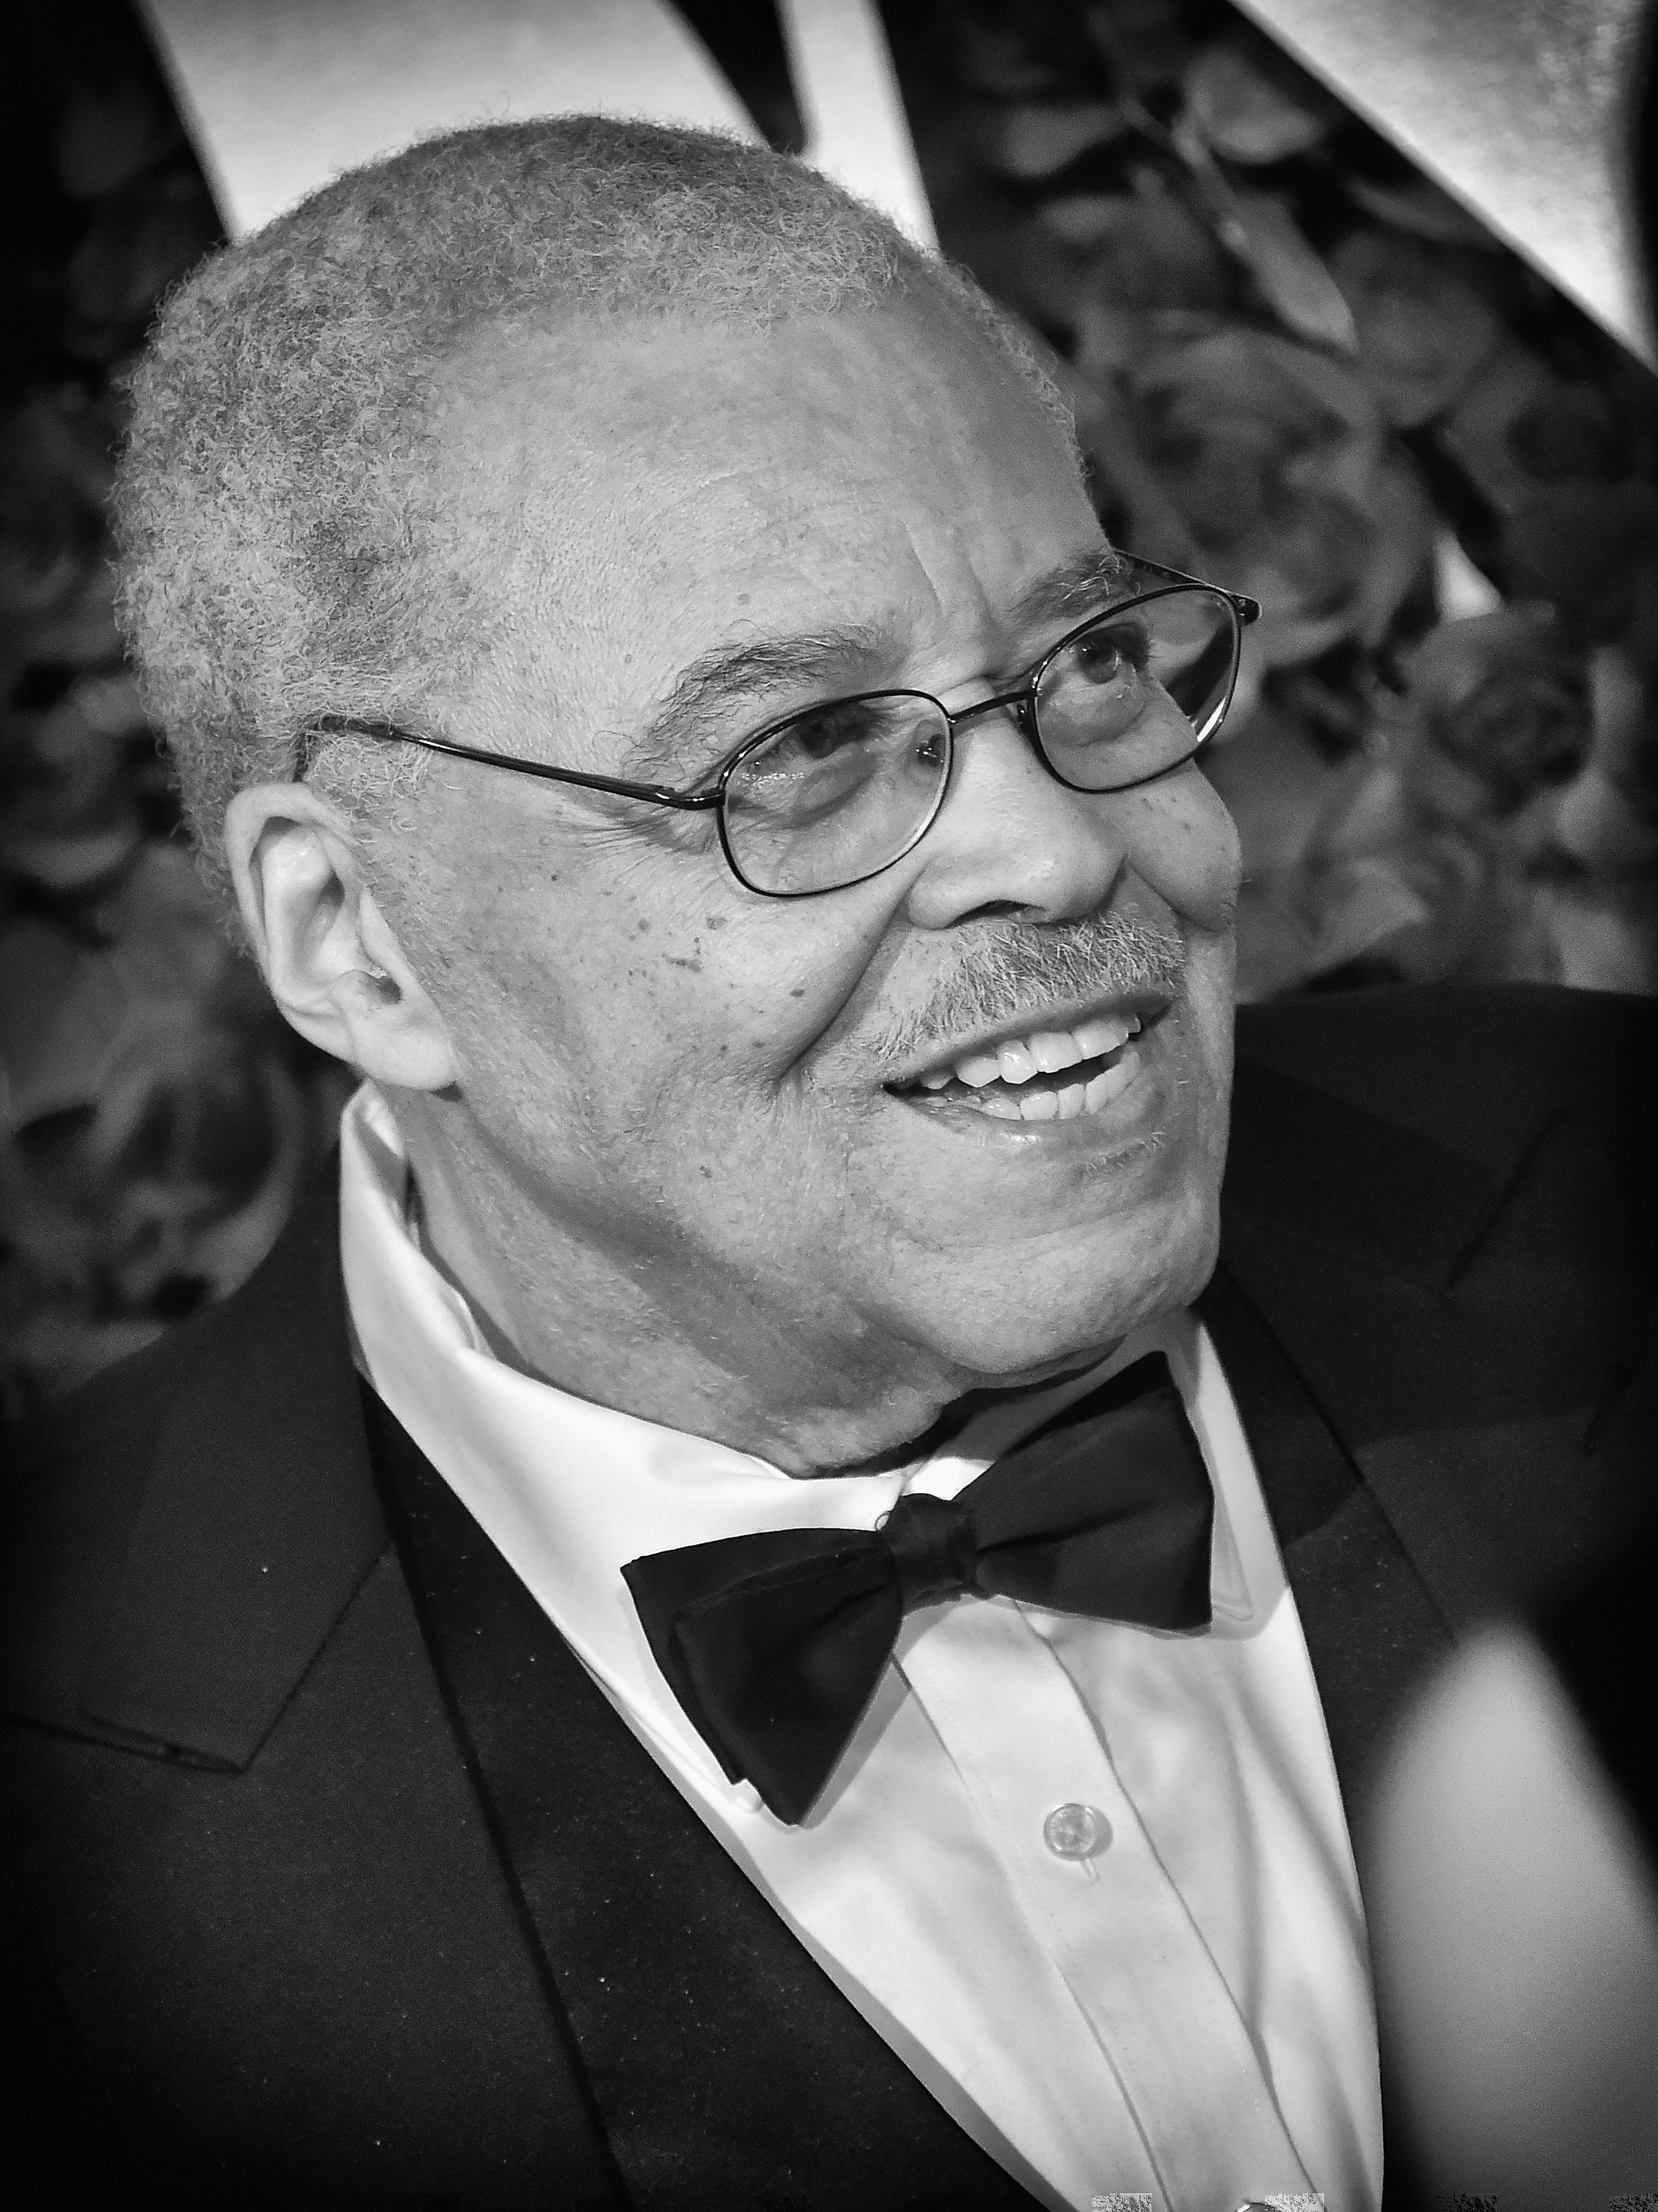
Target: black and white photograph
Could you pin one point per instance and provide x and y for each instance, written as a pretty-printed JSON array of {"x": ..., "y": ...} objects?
[{"x": 828, "y": 1105}]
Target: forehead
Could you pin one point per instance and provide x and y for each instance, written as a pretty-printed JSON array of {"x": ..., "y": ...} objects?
[{"x": 651, "y": 490}]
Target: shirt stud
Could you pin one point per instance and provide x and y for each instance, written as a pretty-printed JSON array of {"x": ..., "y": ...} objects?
[{"x": 1076, "y": 1832}]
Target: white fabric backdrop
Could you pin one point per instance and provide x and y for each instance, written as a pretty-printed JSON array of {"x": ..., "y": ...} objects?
[{"x": 280, "y": 95}]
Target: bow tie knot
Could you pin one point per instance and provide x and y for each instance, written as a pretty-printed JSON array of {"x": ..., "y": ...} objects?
[
  {"x": 934, "y": 1552},
  {"x": 774, "y": 1642}
]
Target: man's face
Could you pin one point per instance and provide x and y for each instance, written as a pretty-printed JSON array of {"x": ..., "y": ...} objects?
[{"x": 718, "y": 1096}]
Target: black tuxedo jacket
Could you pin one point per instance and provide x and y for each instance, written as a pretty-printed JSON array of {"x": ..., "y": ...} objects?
[{"x": 333, "y": 1879}]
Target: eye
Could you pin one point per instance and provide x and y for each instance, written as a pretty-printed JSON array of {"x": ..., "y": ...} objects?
[
  {"x": 849, "y": 740},
  {"x": 830, "y": 730},
  {"x": 1114, "y": 650}
]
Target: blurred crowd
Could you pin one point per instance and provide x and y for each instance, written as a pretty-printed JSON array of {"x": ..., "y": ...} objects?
[{"x": 1298, "y": 369}]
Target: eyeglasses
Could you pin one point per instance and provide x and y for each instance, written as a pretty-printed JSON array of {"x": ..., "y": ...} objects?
[{"x": 834, "y": 793}]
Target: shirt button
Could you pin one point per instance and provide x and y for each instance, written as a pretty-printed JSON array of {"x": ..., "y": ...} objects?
[{"x": 1076, "y": 1832}]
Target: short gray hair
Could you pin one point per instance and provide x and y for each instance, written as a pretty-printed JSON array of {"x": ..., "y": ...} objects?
[{"x": 273, "y": 547}]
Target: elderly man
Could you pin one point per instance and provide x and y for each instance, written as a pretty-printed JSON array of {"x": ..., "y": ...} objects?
[{"x": 712, "y": 1626}]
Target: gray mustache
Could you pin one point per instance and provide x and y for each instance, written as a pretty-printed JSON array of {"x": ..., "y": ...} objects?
[{"x": 1015, "y": 968}]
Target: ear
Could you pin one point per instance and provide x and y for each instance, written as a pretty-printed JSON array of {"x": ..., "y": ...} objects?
[{"x": 331, "y": 961}]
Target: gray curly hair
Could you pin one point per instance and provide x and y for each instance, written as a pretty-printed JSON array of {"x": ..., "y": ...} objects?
[{"x": 278, "y": 554}]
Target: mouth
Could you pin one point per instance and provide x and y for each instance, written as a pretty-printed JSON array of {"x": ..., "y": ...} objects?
[{"x": 1042, "y": 1075}]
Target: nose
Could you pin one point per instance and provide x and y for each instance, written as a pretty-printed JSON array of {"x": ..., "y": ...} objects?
[{"x": 1010, "y": 837}]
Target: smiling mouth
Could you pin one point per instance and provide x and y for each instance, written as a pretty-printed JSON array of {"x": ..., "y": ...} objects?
[{"x": 1047, "y": 1075}]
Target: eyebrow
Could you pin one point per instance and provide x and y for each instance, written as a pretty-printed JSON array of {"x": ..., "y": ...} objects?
[
  {"x": 844, "y": 658},
  {"x": 677, "y": 739},
  {"x": 1076, "y": 587}
]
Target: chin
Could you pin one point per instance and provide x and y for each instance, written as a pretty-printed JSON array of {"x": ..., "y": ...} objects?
[{"x": 1069, "y": 1302}]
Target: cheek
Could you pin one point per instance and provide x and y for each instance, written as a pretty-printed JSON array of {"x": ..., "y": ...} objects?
[
  {"x": 718, "y": 983},
  {"x": 641, "y": 993},
  {"x": 1183, "y": 842}
]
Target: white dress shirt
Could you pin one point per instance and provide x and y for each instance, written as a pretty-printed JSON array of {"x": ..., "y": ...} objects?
[{"x": 1183, "y": 2014}]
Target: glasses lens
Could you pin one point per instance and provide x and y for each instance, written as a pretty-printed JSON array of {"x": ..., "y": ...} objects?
[
  {"x": 1137, "y": 692},
  {"x": 838, "y": 793}
]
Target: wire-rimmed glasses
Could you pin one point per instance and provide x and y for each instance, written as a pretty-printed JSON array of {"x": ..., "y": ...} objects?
[{"x": 833, "y": 793}]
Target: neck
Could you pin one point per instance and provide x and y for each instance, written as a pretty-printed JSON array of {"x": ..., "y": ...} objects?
[
  {"x": 668, "y": 1337},
  {"x": 954, "y": 1417}
]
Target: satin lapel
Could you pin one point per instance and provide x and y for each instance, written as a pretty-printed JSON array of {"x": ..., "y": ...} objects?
[
  {"x": 727, "y": 2067},
  {"x": 259, "y": 1520},
  {"x": 1318, "y": 1182},
  {"x": 1372, "y": 1629},
  {"x": 287, "y": 1934}
]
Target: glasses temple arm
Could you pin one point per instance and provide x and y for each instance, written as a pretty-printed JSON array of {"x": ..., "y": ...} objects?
[
  {"x": 1247, "y": 610},
  {"x": 326, "y": 726}
]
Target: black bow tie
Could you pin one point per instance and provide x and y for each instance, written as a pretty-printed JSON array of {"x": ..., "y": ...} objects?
[{"x": 774, "y": 1644}]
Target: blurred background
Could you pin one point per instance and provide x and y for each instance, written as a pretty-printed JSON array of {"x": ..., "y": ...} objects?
[{"x": 1299, "y": 367}]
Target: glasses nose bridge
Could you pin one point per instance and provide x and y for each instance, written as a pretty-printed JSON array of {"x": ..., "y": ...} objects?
[{"x": 1022, "y": 700}]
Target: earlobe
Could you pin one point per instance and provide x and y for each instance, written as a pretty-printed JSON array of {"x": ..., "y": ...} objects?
[{"x": 332, "y": 962}]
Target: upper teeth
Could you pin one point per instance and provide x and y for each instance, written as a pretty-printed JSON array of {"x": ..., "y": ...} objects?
[{"x": 1044, "y": 1052}]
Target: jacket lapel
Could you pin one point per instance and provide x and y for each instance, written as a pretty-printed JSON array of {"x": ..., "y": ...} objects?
[
  {"x": 259, "y": 1520},
  {"x": 1345, "y": 1236},
  {"x": 1463, "y": 1283},
  {"x": 1372, "y": 1629},
  {"x": 321, "y": 1986}
]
